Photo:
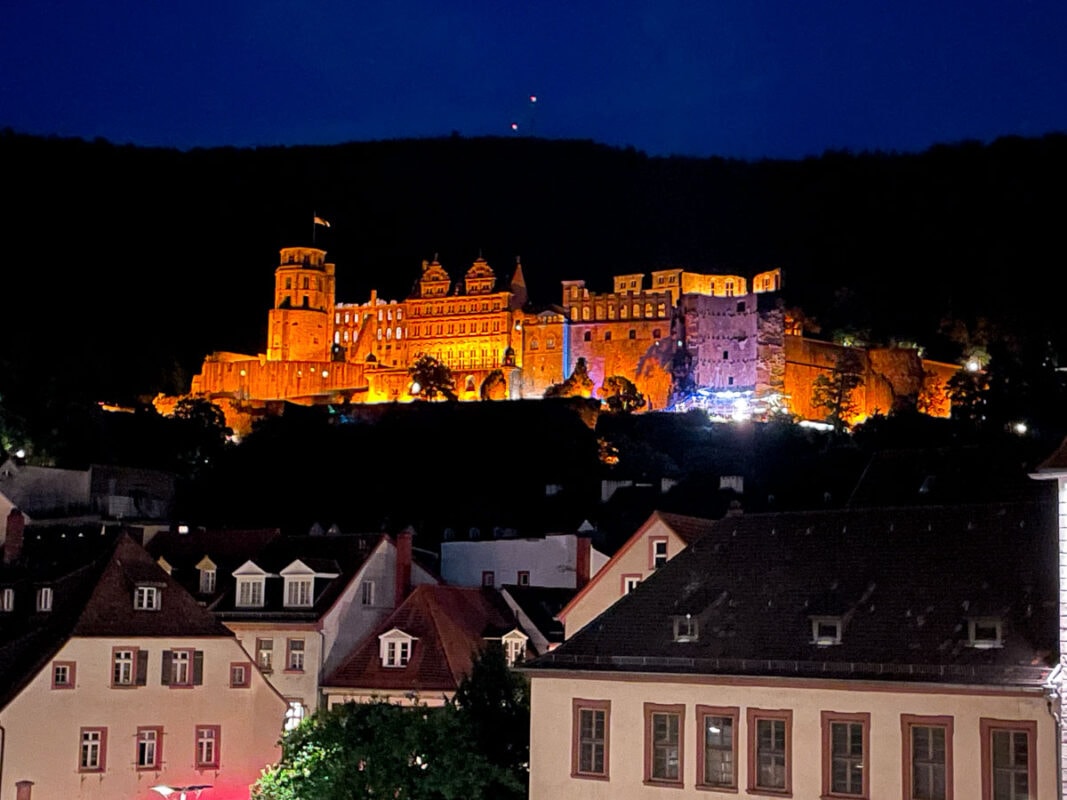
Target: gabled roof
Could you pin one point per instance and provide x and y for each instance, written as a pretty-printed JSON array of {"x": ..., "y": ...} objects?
[
  {"x": 336, "y": 559},
  {"x": 541, "y": 605},
  {"x": 904, "y": 581},
  {"x": 94, "y": 598},
  {"x": 227, "y": 549},
  {"x": 1055, "y": 464},
  {"x": 450, "y": 624},
  {"x": 686, "y": 528}
]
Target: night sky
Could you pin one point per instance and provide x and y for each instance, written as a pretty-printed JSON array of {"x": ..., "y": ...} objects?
[{"x": 751, "y": 79}]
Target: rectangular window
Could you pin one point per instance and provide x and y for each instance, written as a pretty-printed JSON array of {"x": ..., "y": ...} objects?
[
  {"x": 770, "y": 750},
  {"x": 123, "y": 666},
  {"x": 523, "y": 578},
  {"x": 657, "y": 552},
  {"x": 664, "y": 745},
  {"x": 1009, "y": 759},
  {"x": 44, "y": 598},
  {"x": 208, "y": 742},
  {"x": 927, "y": 757},
  {"x": 264, "y": 654},
  {"x": 182, "y": 668},
  {"x": 397, "y": 653},
  {"x": 63, "y": 674},
  {"x": 7, "y": 600},
  {"x": 630, "y": 582},
  {"x": 845, "y": 754},
  {"x": 240, "y": 675},
  {"x": 294, "y": 659},
  {"x": 590, "y": 737},
  {"x": 717, "y": 749},
  {"x": 488, "y": 578},
  {"x": 179, "y": 667},
  {"x": 366, "y": 590},
  {"x": 207, "y": 581},
  {"x": 249, "y": 592},
  {"x": 298, "y": 592},
  {"x": 92, "y": 756},
  {"x": 149, "y": 748},
  {"x": 146, "y": 598}
]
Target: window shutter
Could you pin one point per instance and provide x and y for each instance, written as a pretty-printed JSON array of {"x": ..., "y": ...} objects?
[
  {"x": 198, "y": 668},
  {"x": 142, "y": 667},
  {"x": 168, "y": 657}
]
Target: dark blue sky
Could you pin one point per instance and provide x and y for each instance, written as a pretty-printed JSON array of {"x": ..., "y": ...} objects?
[{"x": 748, "y": 78}]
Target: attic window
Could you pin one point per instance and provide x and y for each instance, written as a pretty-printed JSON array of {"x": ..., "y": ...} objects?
[
  {"x": 146, "y": 598},
  {"x": 826, "y": 631},
  {"x": 985, "y": 633},
  {"x": 685, "y": 629},
  {"x": 7, "y": 600},
  {"x": 394, "y": 648},
  {"x": 298, "y": 591},
  {"x": 207, "y": 581},
  {"x": 250, "y": 592},
  {"x": 44, "y": 598},
  {"x": 514, "y": 646}
]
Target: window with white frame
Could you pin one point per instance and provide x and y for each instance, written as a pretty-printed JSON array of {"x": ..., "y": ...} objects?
[
  {"x": 686, "y": 629},
  {"x": 985, "y": 633},
  {"x": 208, "y": 580},
  {"x": 149, "y": 742},
  {"x": 7, "y": 600},
  {"x": 294, "y": 714},
  {"x": 294, "y": 660},
  {"x": 146, "y": 598},
  {"x": 123, "y": 666},
  {"x": 826, "y": 630},
  {"x": 630, "y": 582},
  {"x": 394, "y": 648},
  {"x": 250, "y": 592},
  {"x": 44, "y": 598},
  {"x": 93, "y": 751},
  {"x": 207, "y": 746},
  {"x": 265, "y": 654},
  {"x": 298, "y": 591},
  {"x": 514, "y": 646},
  {"x": 659, "y": 553}
]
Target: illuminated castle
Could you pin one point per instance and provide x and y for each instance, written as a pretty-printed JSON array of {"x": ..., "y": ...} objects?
[{"x": 716, "y": 334}]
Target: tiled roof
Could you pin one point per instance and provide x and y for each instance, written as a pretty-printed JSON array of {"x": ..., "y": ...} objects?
[
  {"x": 689, "y": 529},
  {"x": 541, "y": 604},
  {"x": 905, "y": 581},
  {"x": 450, "y": 624},
  {"x": 340, "y": 555},
  {"x": 227, "y": 549}
]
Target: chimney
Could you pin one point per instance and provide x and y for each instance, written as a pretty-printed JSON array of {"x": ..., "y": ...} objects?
[
  {"x": 582, "y": 561},
  {"x": 16, "y": 525},
  {"x": 403, "y": 565},
  {"x": 23, "y": 789}
]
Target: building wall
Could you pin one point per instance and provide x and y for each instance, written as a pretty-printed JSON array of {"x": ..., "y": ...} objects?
[
  {"x": 552, "y": 703},
  {"x": 633, "y": 560},
  {"x": 549, "y": 561},
  {"x": 42, "y": 726},
  {"x": 721, "y": 334}
]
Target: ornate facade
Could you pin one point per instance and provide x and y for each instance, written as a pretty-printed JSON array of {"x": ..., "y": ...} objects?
[{"x": 721, "y": 335}]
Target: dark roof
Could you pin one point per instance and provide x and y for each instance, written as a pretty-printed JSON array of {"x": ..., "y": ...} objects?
[
  {"x": 1057, "y": 462},
  {"x": 92, "y": 598},
  {"x": 450, "y": 623},
  {"x": 339, "y": 555},
  {"x": 905, "y": 581},
  {"x": 541, "y": 604}
]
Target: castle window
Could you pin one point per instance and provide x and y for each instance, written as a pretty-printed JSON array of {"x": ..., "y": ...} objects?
[
  {"x": 389, "y": 314},
  {"x": 398, "y": 334},
  {"x": 574, "y": 313},
  {"x": 496, "y": 326},
  {"x": 662, "y": 309},
  {"x": 655, "y": 333},
  {"x": 550, "y": 344},
  {"x": 534, "y": 344},
  {"x": 622, "y": 312},
  {"x": 585, "y": 312},
  {"x": 729, "y": 288},
  {"x": 379, "y": 315},
  {"x": 288, "y": 283},
  {"x": 451, "y": 328},
  {"x": 598, "y": 312},
  {"x": 463, "y": 327},
  {"x": 611, "y": 312},
  {"x": 672, "y": 279},
  {"x": 587, "y": 336},
  {"x": 345, "y": 336},
  {"x": 741, "y": 307},
  {"x": 648, "y": 309},
  {"x": 379, "y": 334},
  {"x": 636, "y": 311},
  {"x": 633, "y": 284},
  {"x": 607, "y": 336},
  {"x": 730, "y": 381},
  {"x": 389, "y": 334},
  {"x": 725, "y": 355},
  {"x": 633, "y": 333},
  {"x": 485, "y": 327},
  {"x": 438, "y": 330},
  {"x": 399, "y": 314},
  {"x": 307, "y": 282}
]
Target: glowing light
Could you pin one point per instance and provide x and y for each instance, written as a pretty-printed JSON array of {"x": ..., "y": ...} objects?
[
  {"x": 533, "y": 98},
  {"x": 1020, "y": 428},
  {"x": 514, "y": 126},
  {"x": 325, "y": 373},
  {"x": 973, "y": 365},
  {"x": 20, "y": 453},
  {"x": 415, "y": 388}
]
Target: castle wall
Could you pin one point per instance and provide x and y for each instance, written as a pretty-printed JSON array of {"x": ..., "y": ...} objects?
[{"x": 721, "y": 334}]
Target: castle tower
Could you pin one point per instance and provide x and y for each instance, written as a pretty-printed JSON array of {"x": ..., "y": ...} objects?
[
  {"x": 434, "y": 281},
  {"x": 300, "y": 325},
  {"x": 480, "y": 278}
]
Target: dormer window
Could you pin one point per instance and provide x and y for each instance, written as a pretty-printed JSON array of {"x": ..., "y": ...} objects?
[
  {"x": 208, "y": 575},
  {"x": 250, "y": 592},
  {"x": 985, "y": 633},
  {"x": 514, "y": 642},
  {"x": 394, "y": 648},
  {"x": 146, "y": 598},
  {"x": 298, "y": 591},
  {"x": 686, "y": 629},
  {"x": 659, "y": 552},
  {"x": 7, "y": 600},
  {"x": 44, "y": 598},
  {"x": 826, "y": 631}
]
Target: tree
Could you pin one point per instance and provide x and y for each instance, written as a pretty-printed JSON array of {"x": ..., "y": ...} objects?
[
  {"x": 201, "y": 432},
  {"x": 836, "y": 391},
  {"x": 621, "y": 395},
  {"x": 381, "y": 749},
  {"x": 579, "y": 384},
  {"x": 431, "y": 378},
  {"x": 968, "y": 390},
  {"x": 495, "y": 386},
  {"x": 495, "y": 701}
]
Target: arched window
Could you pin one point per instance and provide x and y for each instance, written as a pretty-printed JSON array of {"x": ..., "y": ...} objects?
[
  {"x": 585, "y": 312},
  {"x": 534, "y": 344},
  {"x": 550, "y": 343}
]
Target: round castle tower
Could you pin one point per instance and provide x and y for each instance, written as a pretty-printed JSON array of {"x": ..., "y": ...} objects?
[{"x": 300, "y": 325}]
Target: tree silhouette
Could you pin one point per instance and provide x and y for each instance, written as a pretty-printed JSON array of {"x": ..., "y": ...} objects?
[
  {"x": 579, "y": 384},
  {"x": 836, "y": 391},
  {"x": 495, "y": 386},
  {"x": 431, "y": 379},
  {"x": 621, "y": 395}
]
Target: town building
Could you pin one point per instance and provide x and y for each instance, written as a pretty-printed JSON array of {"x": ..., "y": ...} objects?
[
  {"x": 867, "y": 653},
  {"x": 719, "y": 342},
  {"x": 423, "y": 650},
  {"x": 564, "y": 560},
  {"x": 114, "y": 680}
]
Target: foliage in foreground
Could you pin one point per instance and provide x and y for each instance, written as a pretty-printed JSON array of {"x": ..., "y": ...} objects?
[{"x": 380, "y": 749}]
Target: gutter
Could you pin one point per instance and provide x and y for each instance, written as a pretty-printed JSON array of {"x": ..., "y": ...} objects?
[{"x": 1053, "y": 689}]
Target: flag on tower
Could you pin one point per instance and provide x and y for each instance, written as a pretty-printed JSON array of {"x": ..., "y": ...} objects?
[{"x": 322, "y": 222}]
